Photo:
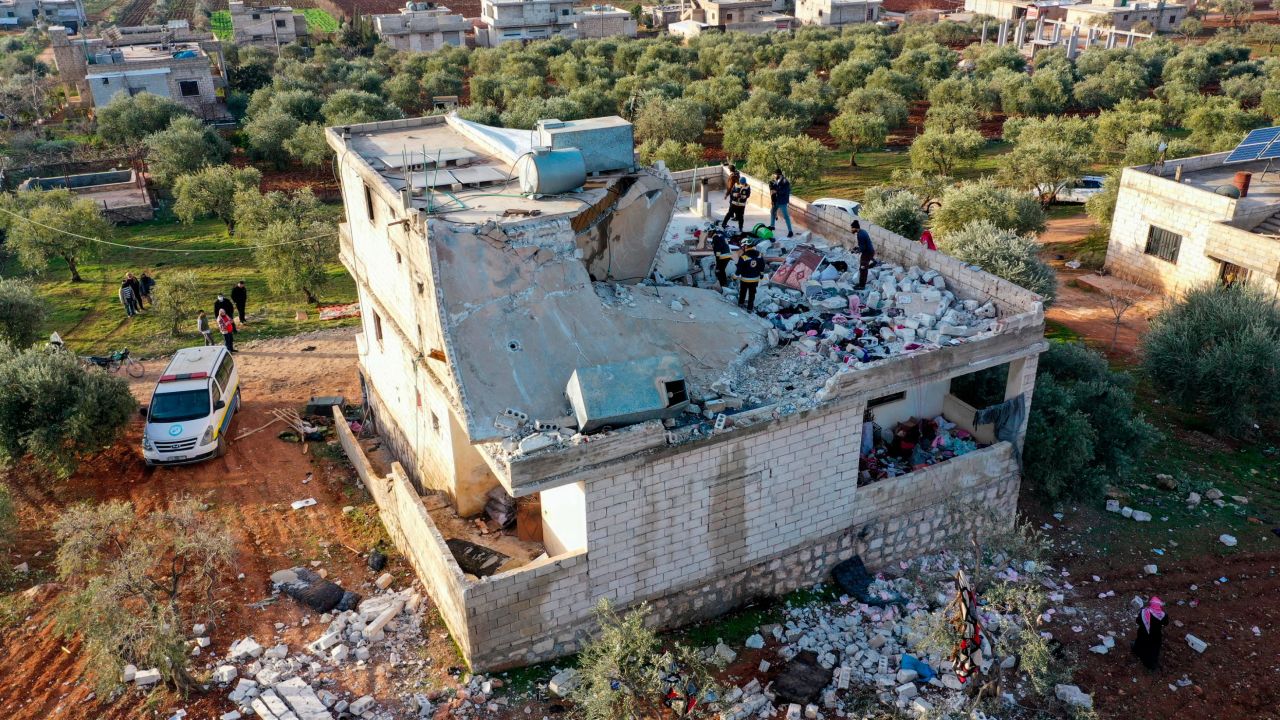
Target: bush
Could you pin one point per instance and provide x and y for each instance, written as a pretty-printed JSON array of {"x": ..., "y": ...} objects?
[
  {"x": 186, "y": 146},
  {"x": 56, "y": 411},
  {"x": 21, "y": 313},
  {"x": 128, "y": 119},
  {"x": 1217, "y": 351},
  {"x": 1003, "y": 253},
  {"x": 895, "y": 210},
  {"x": 984, "y": 200},
  {"x": 677, "y": 155},
  {"x": 622, "y": 670},
  {"x": 1083, "y": 431}
]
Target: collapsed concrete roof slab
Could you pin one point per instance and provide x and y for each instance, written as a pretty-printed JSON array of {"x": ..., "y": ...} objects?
[{"x": 521, "y": 314}]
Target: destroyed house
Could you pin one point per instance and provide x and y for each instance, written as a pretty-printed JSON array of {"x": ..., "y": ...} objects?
[{"x": 648, "y": 439}]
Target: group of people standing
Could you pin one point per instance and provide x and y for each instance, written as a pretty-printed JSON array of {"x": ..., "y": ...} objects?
[
  {"x": 134, "y": 290},
  {"x": 739, "y": 192},
  {"x": 225, "y": 311}
]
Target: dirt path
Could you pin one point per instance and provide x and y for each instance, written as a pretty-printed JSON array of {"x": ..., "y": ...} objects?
[
  {"x": 1081, "y": 309},
  {"x": 250, "y": 488}
]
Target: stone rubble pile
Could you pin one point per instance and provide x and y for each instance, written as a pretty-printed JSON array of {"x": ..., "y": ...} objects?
[
  {"x": 876, "y": 651},
  {"x": 278, "y": 683}
]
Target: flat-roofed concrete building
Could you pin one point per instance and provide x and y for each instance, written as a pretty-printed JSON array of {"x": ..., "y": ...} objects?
[
  {"x": 171, "y": 62},
  {"x": 601, "y": 21},
  {"x": 837, "y": 12},
  {"x": 266, "y": 26},
  {"x": 422, "y": 27},
  {"x": 518, "y": 349},
  {"x": 1185, "y": 223},
  {"x": 750, "y": 16},
  {"x": 26, "y": 13},
  {"x": 1125, "y": 15},
  {"x": 522, "y": 20}
]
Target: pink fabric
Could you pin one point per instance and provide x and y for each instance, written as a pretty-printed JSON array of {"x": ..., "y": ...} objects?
[
  {"x": 927, "y": 240},
  {"x": 1154, "y": 609}
]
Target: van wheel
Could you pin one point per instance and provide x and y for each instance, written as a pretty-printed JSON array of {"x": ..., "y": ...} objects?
[{"x": 222, "y": 445}]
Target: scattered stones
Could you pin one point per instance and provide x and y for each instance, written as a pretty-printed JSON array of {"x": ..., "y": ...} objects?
[
  {"x": 1228, "y": 540},
  {"x": 1213, "y": 494},
  {"x": 145, "y": 678},
  {"x": 1141, "y": 516},
  {"x": 244, "y": 649},
  {"x": 755, "y": 642},
  {"x": 726, "y": 654},
  {"x": 1166, "y": 482},
  {"x": 1239, "y": 499},
  {"x": 129, "y": 672},
  {"x": 1196, "y": 643},
  {"x": 1193, "y": 499},
  {"x": 1126, "y": 511},
  {"x": 563, "y": 682},
  {"x": 225, "y": 674},
  {"x": 1150, "y": 569},
  {"x": 1113, "y": 506},
  {"x": 1074, "y": 696}
]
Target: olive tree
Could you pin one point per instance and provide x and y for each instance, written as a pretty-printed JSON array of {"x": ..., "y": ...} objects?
[
  {"x": 895, "y": 210},
  {"x": 984, "y": 200},
  {"x": 859, "y": 131},
  {"x": 211, "y": 192},
  {"x": 676, "y": 155},
  {"x": 800, "y": 157},
  {"x": 1047, "y": 154},
  {"x": 178, "y": 298},
  {"x": 662, "y": 119},
  {"x": 1003, "y": 253},
  {"x": 53, "y": 224},
  {"x": 130, "y": 118},
  {"x": 940, "y": 152},
  {"x": 135, "y": 581},
  {"x": 55, "y": 411},
  {"x": 21, "y": 313},
  {"x": 1219, "y": 342},
  {"x": 186, "y": 146}
]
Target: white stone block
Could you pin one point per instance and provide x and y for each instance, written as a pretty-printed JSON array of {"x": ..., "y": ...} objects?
[
  {"x": 147, "y": 677},
  {"x": 1196, "y": 643},
  {"x": 225, "y": 674},
  {"x": 563, "y": 682},
  {"x": 359, "y": 706},
  {"x": 128, "y": 673}
]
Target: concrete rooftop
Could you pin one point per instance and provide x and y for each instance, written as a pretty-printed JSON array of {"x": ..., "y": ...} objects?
[{"x": 1264, "y": 188}]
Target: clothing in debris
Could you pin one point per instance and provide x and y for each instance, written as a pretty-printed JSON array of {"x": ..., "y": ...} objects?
[
  {"x": 1151, "y": 621},
  {"x": 240, "y": 296},
  {"x": 926, "y": 239},
  {"x": 779, "y": 196},
  {"x": 750, "y": 270},
  {"x": 1007, "y": 417},
  {"x": 738, "y": 197},
  {"x": 723, "y": 256},
  {"x": 973, "y": 653}
]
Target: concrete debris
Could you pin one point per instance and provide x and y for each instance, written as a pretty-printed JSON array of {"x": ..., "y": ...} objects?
[
  {"x": 1150, "y": 569},
  {"x": 1213, "y": 494},
  {"x": 225, "y": 674},
  {"x": 755, "y": 642},
  {"x": 1074, "y": 696},
  {"x": 143, "y": 678},
  {"x": 725, "y": 654},
  {"x": 1239, "y": 499},
  {"x": 1166, "y": 482},
  {"x": 1113, "y": 506},
  {"x": 1141, "y": 516},
  {"x": 563, "y": 682},
  {"x": 1193, "y": 499},
  {"x": 384, "y": 581},
  {"x": 1228, "y": 540},
  {"x": 299, "y": 504},
  {"x": 244, "y": 649},
  {"x": 1196, "y": 643}
]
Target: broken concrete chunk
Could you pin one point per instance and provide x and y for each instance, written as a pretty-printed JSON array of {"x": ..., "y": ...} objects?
[
  {"x": 129, "y": 672},
  {"x": 225, "y": 674},
  {"x": 244, "y": 649},
  {"x": 1141, "y": 516},
  {"x": 384, "y": 581},
  {"x": 725, "y": 653},
  {"x": 1196, "y": 643},
  {"x": 1213, "y": 494},
  {"x": 1073, "y": 695},
  {"x": 563, "y": 682},
  {"x": 147, "y": 677},
  {"x": 1228, "y": 540},
  {"x": 1113, "y": 506}
]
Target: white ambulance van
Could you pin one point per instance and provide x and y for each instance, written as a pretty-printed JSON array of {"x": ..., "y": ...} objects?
[{"x": 191, "y": 407}]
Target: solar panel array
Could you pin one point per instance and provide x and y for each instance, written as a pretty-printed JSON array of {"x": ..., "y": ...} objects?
[{"x": 1260, "y": 144}]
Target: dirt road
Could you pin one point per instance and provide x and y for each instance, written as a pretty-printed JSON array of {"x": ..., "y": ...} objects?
[{"x": 41, "y": 676}]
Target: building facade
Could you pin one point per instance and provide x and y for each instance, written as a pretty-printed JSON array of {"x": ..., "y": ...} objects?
[
  {"x": 750, "y": 16},
  {"x": 146, "y": 59},
  {"x": 523, "y": 20},
  {"x": 486, "y": 315},
  {"x": 601, "y": 21},
  {"x": 422, "y": 27},
  {"x": 25, "y": 13},
  {"x": 1178, "y": 225},
  {"x": 1125, "y": 15},
  {"x": 268, "y": 26},
  {"x": 837, "y": 12}
]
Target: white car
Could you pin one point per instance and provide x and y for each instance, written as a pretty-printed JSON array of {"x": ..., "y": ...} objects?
[
  {"x": 191, "y": 408},
  {"x": 1079, "y": 191},
  {"x": 848, "y": 207}
]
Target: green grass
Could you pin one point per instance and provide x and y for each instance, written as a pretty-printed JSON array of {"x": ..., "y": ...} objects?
[
  {"x": 220, "y": 24},
  {"x": 318, "y": 19},
  {"x": 90, "y": 319},
  {"x": 839, "y": 179}
]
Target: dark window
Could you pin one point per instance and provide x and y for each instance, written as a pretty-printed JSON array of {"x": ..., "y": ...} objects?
[
  {"x": 886, "y": 399},
  {"x": 256, "y": 16},
  {"x": 279, "y": 23},
  {"x": 368, "y": 202},
  {"x": 677, "y": 392},
  {"x": 188, "y": 87},
  {"x": 435, "y": 424},
  {"x": 106, "y": 81},
  {"x": 1163, "y": 244},
  {"x": 223, "y": 376},
  {"x": 377, "y": 327},
  {"x": 564, "y": 12}
]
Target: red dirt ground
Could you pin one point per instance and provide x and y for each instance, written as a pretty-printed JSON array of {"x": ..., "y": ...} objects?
[{"x": 250, "y": 488}]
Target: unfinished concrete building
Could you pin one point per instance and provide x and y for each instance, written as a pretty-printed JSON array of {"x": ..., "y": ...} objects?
[
  {"x": 422, "y": 27},
  {"x": 837, "y": 12},
  {"x": 1197, "y": 220},
  {"x": 266, "y": 25},
  {"x": 749, "y": 16},
  {"x": 521, "y": 20},
  {"x": 166, "y": 60},
  {"x": 602, "y": 21},
  {"x": 649, "y": 440}
]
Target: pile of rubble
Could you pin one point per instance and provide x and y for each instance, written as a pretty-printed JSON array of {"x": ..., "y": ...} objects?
[
  {"x": 278, "y": 683},
  {"x": 830, "y": 652}
]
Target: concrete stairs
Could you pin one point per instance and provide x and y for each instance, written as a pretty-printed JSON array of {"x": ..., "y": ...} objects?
[{"x": 1270, "y": 226}]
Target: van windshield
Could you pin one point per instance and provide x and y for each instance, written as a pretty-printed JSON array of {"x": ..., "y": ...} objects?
[{"x": 179, "y": 406}]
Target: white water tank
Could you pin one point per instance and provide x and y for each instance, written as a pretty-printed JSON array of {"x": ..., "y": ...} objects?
[{"x": 551, "y": 172}]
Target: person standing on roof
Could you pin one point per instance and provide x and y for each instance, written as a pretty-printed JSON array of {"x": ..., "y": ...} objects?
[
  {"x": 732, "y": 183},
  {"x": 866, "y": 252},
  {"x": 779, "y": 196},
  {"x": 738, "y": 203},
  {"x": 750, "y": 270},
  {"x": 240, "y": 296},
  {"x": 723, "y": 255},
  {"x": 228, "y": 329}
]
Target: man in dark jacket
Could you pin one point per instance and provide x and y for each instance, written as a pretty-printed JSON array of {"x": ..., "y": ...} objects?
[
  {"x": 866, "y": 252},
  {"x": 723, "y": 255},
  {"x": 738, "y": 197},
  {"x": 147, "y": 283},
  {"x": 222, "y": 303},
  {"x": 779, "y": 196},
  {"x": 240, "y": 296},
  {"x": 750, "y": 269}
]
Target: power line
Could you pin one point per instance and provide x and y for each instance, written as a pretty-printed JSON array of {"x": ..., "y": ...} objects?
[{"x": 156, "y": 249}]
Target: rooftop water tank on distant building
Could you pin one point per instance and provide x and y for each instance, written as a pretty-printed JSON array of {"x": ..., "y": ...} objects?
[{"x": 545, "y": 171}]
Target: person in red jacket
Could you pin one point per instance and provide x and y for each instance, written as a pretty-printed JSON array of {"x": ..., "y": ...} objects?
[
  {"x": 926, "y": 240},
  {"x": 228, "y": 329}
]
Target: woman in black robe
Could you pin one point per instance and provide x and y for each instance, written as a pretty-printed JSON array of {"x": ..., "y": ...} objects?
[{"x": 1151, "y": 622}]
